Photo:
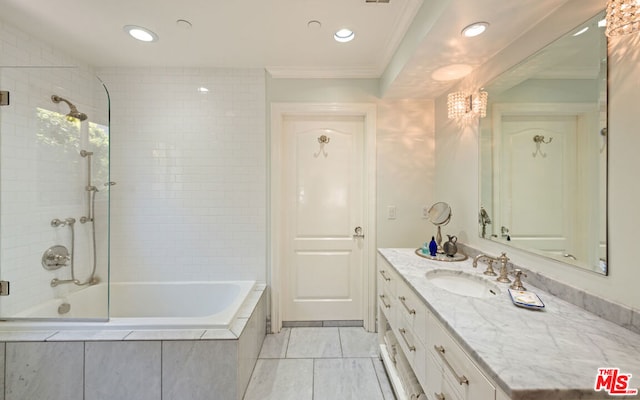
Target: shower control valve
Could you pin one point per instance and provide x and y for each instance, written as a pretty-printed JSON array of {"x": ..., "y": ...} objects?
[{"x": 55, "y": 257}]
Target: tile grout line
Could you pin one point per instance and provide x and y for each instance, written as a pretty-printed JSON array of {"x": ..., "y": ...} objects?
[
  {"x": 313, "y": 378},
  {"x": 286, "y": 351},
  {"x": 375, "y": 371},
  {"x": 84, "y": 370},
  {"x": 340, "y": 341}
]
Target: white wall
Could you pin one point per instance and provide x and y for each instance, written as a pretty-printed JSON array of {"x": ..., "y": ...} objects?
[
  {"x": 190, "y": 169},
  {"x": 457, "y": 162},
  {"x": 406, "y": 165},
  {"x": 405, "y": 142},
  {"x": 42, "y": 174}
]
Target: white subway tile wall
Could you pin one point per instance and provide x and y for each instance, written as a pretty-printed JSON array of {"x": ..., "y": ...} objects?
[
  {"x": 190, "y": 166},
  {"x": 42, "y": 175}
]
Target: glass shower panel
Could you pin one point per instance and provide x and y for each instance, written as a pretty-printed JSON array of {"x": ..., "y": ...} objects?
[{"x": 54, "y": 194}]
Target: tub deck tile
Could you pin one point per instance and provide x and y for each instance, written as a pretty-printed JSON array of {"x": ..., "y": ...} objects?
[
  {"x": 249, "y": 304},
  {"x": 237, "y": 326},
  {"x": 25, "y": 336},
  {"x": 74, "y": 336},
  {"x": 215, "y": 334},
  {"x": 169, "y": 334}
]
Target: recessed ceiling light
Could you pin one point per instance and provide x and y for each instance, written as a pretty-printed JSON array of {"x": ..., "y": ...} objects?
[
  {"x": 602, "y": 23},
  {"x": 140, "y": 33},
  {"x": 344, "y": 35},
  {"x": 202, "y": 89},
  {"x": 451, "y": 72},
  {"x": 581, "y": 31},
  {"x": 475, "y": 29}
]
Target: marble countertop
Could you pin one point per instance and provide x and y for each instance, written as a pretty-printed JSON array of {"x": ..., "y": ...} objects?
[{"x": 550, "y": 354}]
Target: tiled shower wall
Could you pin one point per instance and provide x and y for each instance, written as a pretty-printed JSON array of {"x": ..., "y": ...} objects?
[
  {"x": 42, "y": 175},
  {"x": 190, "y": 168}
]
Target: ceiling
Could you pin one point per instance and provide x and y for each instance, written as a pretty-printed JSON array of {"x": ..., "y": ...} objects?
[{"x": 274, "y": 34}]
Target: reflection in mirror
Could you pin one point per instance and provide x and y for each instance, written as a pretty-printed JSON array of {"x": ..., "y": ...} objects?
[{"x": 543, "y": 152}]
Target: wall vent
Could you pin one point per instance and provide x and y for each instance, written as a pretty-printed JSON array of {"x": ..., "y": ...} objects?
[{"x": 376, "y": 1}]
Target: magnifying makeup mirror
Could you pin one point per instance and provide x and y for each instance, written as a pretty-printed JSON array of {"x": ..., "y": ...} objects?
[{"x": 439, "y": 214}]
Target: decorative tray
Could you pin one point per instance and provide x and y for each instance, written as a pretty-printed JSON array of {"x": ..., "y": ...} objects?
[
  {"x": 522, "y": 298},
  {"x": 441, "y": 257}
]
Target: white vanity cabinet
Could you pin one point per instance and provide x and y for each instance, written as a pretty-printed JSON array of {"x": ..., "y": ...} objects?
[
  {"x": 442, "y": 369},
  {"x": 460, "y": 379}
]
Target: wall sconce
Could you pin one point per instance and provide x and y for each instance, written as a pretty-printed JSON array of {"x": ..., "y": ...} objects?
[
  {"x": 622, "y": 17},
  {"x": 463, "y": 105}
]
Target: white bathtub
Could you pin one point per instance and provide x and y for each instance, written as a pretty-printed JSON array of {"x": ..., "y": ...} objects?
[{"x": 142, "y": 305}]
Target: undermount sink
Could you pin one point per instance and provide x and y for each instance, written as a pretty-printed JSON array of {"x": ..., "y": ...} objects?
[{"x": 462, "y": 283}]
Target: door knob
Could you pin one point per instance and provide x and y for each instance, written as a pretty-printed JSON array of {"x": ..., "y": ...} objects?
[{"x": 358, "y": 233}]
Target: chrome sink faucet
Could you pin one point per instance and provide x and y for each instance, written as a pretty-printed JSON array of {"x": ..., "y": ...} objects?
[{"x": 489, "y": 271}]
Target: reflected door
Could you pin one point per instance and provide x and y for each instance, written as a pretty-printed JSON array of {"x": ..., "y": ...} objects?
[
  {"x": 324, "y": 206},
  {"x": 538, "y": 183}
]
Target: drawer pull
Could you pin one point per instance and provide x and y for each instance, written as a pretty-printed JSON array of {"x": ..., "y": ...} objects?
[
  {"x": 461, "y": 378},
  {"x": 382, "y": 297},
  {"x": 440, "y": 396},
  {"x": 402, "y": 333},
  {"x": 386, "y": 278},
  {"x": 409, "y": 310}
]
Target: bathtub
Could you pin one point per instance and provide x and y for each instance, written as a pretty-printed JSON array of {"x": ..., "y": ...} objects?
[
  {"x": 141, "y": 305},
  {"x": 166, "y": 330}
]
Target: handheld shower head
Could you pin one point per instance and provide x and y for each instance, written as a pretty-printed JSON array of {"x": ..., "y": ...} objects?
[{"x": 73, "y": 111}]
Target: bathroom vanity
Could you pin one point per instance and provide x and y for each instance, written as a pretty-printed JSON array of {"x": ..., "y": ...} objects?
[{"x": 448, "y": 344}]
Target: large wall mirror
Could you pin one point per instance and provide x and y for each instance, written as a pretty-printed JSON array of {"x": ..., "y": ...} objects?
[{"x": 543, "y": 152}]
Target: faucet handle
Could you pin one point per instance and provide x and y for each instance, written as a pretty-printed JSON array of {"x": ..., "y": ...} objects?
[
  {"x": 503, "y": 268},
  {"x": 517, "y": 282},
  {"x": 489, "y": 271}
]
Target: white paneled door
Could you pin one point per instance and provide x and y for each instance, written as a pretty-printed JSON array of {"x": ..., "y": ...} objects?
[{"x": 323, "y": 218}]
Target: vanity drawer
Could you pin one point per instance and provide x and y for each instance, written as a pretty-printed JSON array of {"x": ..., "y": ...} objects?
[
  {"x": 433, "y": 381},
  {"x": 413, "y": 350},
  {"x": 457, "y": 367},
  {"x": 412, "y": 310},
  {"x": 387, "y": 277},
  {"x": 448, "y": 391},
  {"x": 387, "y": 304}
]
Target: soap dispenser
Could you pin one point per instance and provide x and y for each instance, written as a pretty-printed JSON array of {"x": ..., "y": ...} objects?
[{"x": 433, "y": 247}]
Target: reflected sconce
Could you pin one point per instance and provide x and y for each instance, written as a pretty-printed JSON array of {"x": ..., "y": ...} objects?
[
  {"x": 622, "y": 17},
  {"x": 465, "y": 105}
]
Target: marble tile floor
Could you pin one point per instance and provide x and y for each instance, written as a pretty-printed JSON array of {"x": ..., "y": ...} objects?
[{"x": 334, "y": 363}]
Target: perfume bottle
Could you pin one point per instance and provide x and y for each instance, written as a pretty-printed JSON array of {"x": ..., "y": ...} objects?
[{"x": 433, "y": 247}]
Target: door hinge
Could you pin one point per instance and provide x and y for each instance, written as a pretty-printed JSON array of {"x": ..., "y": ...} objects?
[
  {"x": 4, "y": 288},
  {"x": 4, "y": 97}
]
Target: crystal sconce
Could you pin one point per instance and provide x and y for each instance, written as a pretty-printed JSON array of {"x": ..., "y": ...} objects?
[
  {"x": 622, "y": 17},
  {"x": 462, "y": 105}
]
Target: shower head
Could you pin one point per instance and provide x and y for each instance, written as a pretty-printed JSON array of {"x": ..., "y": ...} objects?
[{"x": 73, "y": 111}]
